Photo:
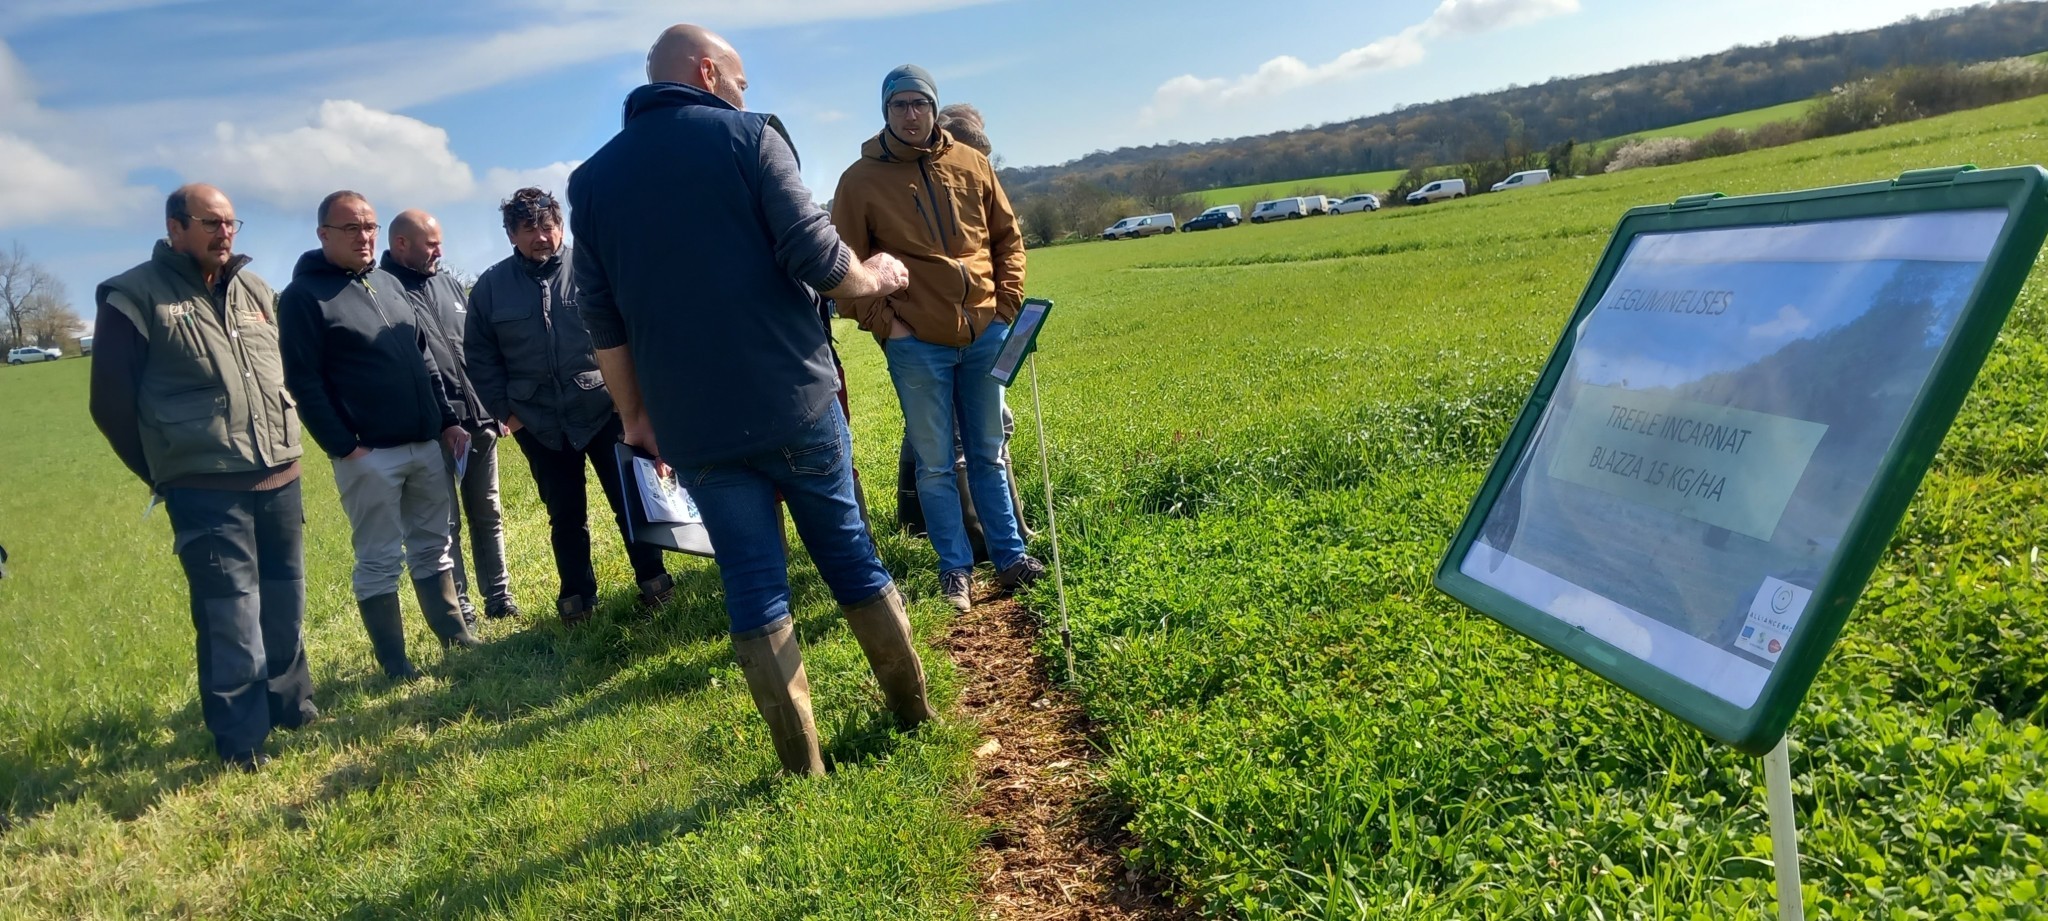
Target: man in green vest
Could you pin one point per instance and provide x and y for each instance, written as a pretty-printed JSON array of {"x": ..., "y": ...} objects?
[{"x": 188, "y": 388}]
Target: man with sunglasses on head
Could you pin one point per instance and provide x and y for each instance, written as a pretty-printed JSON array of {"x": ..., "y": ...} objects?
[
  {"x": 189, "y": 389},
  {"x": 374, "y": 399},
  {"x": 535, "y": 367}
]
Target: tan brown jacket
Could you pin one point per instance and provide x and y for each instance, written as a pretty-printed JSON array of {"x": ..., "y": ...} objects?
[{"x": 944, "y": 214}]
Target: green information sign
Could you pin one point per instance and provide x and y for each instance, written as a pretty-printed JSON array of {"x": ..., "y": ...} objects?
[{"x": 1728, "y": 431}]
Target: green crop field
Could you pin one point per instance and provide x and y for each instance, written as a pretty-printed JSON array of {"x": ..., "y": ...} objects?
[
  {"x": 1261, "y": 441},
  {"x": 1740, "y": 121},
  {"x": 1336, "y": 186}
]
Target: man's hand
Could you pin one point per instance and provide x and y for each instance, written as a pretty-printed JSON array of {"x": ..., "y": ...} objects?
[
  {"x": 511, "y": 424},
  {"x": 890, "y": 271},
  {"x": 639, "y": 433},
  {"x": 455, "y": 440},
  {"x": 358, "y": 454}
]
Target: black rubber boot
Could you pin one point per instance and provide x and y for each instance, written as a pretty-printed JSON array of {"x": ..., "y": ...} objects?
[
  {"x": 385, "y": 624},
  {"x": 439, "y": 604}
]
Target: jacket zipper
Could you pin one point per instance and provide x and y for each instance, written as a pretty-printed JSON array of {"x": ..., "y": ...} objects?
[{"x": 945, "y": 249}]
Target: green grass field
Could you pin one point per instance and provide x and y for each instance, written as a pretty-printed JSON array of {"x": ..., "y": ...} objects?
[
  {"x": 1335, "y": 186},
  {"x": 1740, "y": 121},
  {"x": 1261, "y": 441}
]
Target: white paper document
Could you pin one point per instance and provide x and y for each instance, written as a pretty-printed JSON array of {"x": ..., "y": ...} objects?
[{"x": 664, "y": 500}]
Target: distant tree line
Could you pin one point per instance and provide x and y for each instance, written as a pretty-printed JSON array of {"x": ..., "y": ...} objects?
[{"x": 1519, "y": 125}]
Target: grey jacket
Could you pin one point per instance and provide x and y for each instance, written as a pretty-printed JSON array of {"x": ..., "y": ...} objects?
[
  {"x": 529, "y": 355},
  {"x": 439, "y": 306}
]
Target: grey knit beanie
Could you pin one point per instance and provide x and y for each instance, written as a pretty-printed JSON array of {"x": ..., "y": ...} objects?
[{"x": 910, "y": 78}]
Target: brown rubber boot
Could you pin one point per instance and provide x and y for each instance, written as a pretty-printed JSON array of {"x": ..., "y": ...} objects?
[
  {"x": 774, "y": 668},
  {"x": 883, "y": 630},
  {"x": 442, "y": 608}
]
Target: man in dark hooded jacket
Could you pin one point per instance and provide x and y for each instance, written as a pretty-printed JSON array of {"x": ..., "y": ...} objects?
[{"x": 372, "y": 397}]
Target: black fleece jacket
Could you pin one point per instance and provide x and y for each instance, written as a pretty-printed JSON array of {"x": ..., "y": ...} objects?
[{"x": 356, "y": 359}]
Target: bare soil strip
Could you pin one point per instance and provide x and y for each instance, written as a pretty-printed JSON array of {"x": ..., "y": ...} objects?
[{"x": 1054, "y": 850}]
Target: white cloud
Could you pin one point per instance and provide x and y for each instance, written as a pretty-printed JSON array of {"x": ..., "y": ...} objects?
[
  {"x": 1286, "y": 73},
  {"x": 1787, "y": 323},
  {"x": 500, "y": 182},
  {"x": 1471, "y": 17},
  {"x": 395, "y": 161},
  {"x": 40, "y": 188}
]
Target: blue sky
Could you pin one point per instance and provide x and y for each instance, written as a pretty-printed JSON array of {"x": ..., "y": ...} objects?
[{"x": 105, "y": 105}]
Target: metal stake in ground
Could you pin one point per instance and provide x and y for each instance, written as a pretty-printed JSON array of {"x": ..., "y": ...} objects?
[
  {"x": 1052, "y": 521},
  {"x": 1784, "y": 833}
]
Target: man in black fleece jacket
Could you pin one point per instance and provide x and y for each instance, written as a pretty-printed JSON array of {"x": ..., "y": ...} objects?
[{"x": 373, "y": 398}]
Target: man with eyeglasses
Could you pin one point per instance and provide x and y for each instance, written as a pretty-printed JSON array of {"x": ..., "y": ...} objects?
[
  {"x": 957, "y": 234},
  {"x": 439, "y": 303},
  {"x": 189, "y": 389},
  {"x": 375, "y": 400}
]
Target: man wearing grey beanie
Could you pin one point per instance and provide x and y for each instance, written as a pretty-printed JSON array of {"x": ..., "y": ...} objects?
[{"x": 958, "y": 237}]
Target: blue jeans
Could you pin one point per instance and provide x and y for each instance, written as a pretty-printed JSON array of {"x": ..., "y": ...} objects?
[
  {"x": 938, "y": 384},
  {"x": 814, "y": 474}
]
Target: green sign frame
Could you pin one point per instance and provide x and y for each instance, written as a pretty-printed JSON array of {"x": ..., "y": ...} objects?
[{"x": 1601, "y": 427}]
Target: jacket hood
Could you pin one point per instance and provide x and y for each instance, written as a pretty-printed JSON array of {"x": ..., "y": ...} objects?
[
  {"x": 889, "y": 148},
  {"x": 399, "y": 270},
  {"x": 655, "y": 96},
  {"x": 313, "y": 263}
]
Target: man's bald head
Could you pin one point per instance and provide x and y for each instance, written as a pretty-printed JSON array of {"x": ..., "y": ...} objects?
[
  {"x": 695, "y": 56},
  {"x": 416, "y": 241}
]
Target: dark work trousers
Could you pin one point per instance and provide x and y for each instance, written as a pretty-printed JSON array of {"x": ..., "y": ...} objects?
[
  {"x": 558, "y": 477},
  {"x": 243, "y": 554},
  {"x": 476, "y": 496}
]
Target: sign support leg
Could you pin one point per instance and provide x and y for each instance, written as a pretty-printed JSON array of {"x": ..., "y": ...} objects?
[
  {"x": 1052, "y": 522},
  {"x": 1784, "y": 833}
]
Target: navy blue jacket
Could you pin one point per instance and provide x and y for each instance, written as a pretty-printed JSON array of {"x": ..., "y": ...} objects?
[
  {"x": 698, "y": 248},
  {"x": 356, "y": 359}
]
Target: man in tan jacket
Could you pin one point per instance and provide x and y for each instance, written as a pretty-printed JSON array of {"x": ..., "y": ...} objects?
[{"x": 935, "y": 204}]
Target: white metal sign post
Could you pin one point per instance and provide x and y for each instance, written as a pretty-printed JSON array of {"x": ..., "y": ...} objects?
[{"x": 1784, "y": 833}]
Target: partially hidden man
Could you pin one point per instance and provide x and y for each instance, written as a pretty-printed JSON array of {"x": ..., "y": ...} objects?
[
  {"x": 189, "y": 389},
  {"x": 440, "y": 306},
  {"x": 373, "y": 398}
]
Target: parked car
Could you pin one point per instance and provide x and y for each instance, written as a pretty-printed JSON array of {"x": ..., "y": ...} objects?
[
  {"x": 1437, "y": 191},
  {"x": 28, "y": 353},
  {"x": 1151, "y": 224},
  {"x": 1315, "y": 204},
  {"x": 1278, "y": 209},
  {"x": 1219, "y": 216},
  {"x": 84, "y": 345},
  {"x": 1364, "y": 201},
  {"x": 1116, "y": 230},
  {"x": 1522, "y": 180}
]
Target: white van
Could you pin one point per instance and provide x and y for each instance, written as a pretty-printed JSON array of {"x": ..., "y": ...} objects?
[
  {"x": 1522, "y": 180},
  {"x": 1118, "y": 229},
  {"x": 1438, "y": 191},
  {"x": 1278, "y": 209},
  {"x": 1151, "y": 224},
  {"x": 1315, "y": 204}
]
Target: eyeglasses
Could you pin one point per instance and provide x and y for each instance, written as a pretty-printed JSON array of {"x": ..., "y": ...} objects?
[
  {"x": 906, "y": 106},
  {"x": 216, "y": 225},
  {"x": 354, "y": 229}
]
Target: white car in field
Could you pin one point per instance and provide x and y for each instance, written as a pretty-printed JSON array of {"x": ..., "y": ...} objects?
[
  {"x": 1364, "y": 201},
  {"x": 26, "y": 354}
]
